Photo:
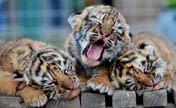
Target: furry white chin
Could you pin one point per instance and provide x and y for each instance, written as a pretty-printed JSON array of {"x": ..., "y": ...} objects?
[{"x": 89, "y": 62}]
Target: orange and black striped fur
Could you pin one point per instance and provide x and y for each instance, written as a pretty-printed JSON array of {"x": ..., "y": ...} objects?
[
  {"x": 99, "y": 34},
  {"x": 148, "y": 65},
  {"x": 37, "y": 72}
]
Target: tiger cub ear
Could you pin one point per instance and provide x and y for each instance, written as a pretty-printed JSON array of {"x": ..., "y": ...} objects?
[
  {"x": 18, "y": 76},
  {"x": 75, "y": 20}
]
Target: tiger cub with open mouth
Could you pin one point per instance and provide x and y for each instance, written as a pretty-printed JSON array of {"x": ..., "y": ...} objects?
[{"x": 99, "y": 34}]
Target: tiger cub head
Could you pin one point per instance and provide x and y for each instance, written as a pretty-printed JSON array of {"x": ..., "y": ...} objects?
[
  {"x": 52, "y": 71},
  {"x": 139, "y": 69},
  {"x": 100, "y": 33}
]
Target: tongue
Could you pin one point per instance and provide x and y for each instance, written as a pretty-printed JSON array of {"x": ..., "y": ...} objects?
[{"x": 94, "y": 52}]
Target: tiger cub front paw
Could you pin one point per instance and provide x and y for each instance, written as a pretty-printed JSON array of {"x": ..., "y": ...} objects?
[
  {"x": 163, "y": 85},
  {"x": 100, "y": 84},
  {"x": 33, "y": 97}
]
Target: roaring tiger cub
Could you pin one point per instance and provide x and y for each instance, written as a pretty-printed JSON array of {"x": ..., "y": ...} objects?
[
  {"x": 37, "y": 72},
  {"x": 99, "y": 34},
  {"x": 148, "y": 65}
]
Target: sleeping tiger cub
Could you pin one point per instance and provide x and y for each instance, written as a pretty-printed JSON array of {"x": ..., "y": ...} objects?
[
  {"x": 149, "y": 65},
  {"x": 99, "y": 34},
  {"x": 37, "y": 72}
]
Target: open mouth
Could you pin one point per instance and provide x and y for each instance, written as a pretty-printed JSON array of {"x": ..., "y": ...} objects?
[{"x": 95, "y": 50}]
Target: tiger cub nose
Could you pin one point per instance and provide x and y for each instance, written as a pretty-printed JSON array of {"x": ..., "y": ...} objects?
[
  {"x": 103, "y": 35},
  {"x": 73, "y": 79}
]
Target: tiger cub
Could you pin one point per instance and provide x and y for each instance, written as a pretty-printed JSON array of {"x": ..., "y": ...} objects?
[
  {"x": 149, "y": 65},
  {"x": 37, "y": 72},
  {"x": 99, "y": 34}
]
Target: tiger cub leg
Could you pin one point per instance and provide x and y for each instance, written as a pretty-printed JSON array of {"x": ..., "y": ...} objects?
[
  {"x": 82, "y": 79},
  {"x": 31, "y": 96},
  {"x": 101, "y": 82}
]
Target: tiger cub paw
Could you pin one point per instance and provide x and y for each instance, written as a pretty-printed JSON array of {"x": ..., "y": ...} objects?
[
  {"x": 165, "y": 85},
  {"x": 162, "y": 85},
  {"x": 100, "y": 84},
  {"x": 33, "y": 97},
  {"x": 36, "y": 101}
]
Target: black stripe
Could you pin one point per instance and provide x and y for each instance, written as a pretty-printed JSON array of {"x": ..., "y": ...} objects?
[
  {"x": 38, "y": 70},
  {"x": 131, "y": 35},
  {"x": 85, "y": 50},
  {"x": 130, "y": 60},
  {"x": 152, "y": 69},
  {"x": 128, "y": 55},
  {"x": 120, "y": 70},
  {"x": 64, "y": 62},
  {"x": 48, "y": 68},
  {"x": 53, "y": 63},
  {"x": 47, "y": 58},
  {"x": 120, "y": 67},
  {"x": 84, "y": 35},
  {"x": 54, "y": 55},
  {"x": 35, "y": 83},
  {"x": 43, "y": 81},
  {"x": 31, "y": 48},
  {"x": 18, "y": 74},
  {"x": 119, "y": 37},
  {"x": 142, "y": 46},
  {"x": 43, "y": 52}
]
